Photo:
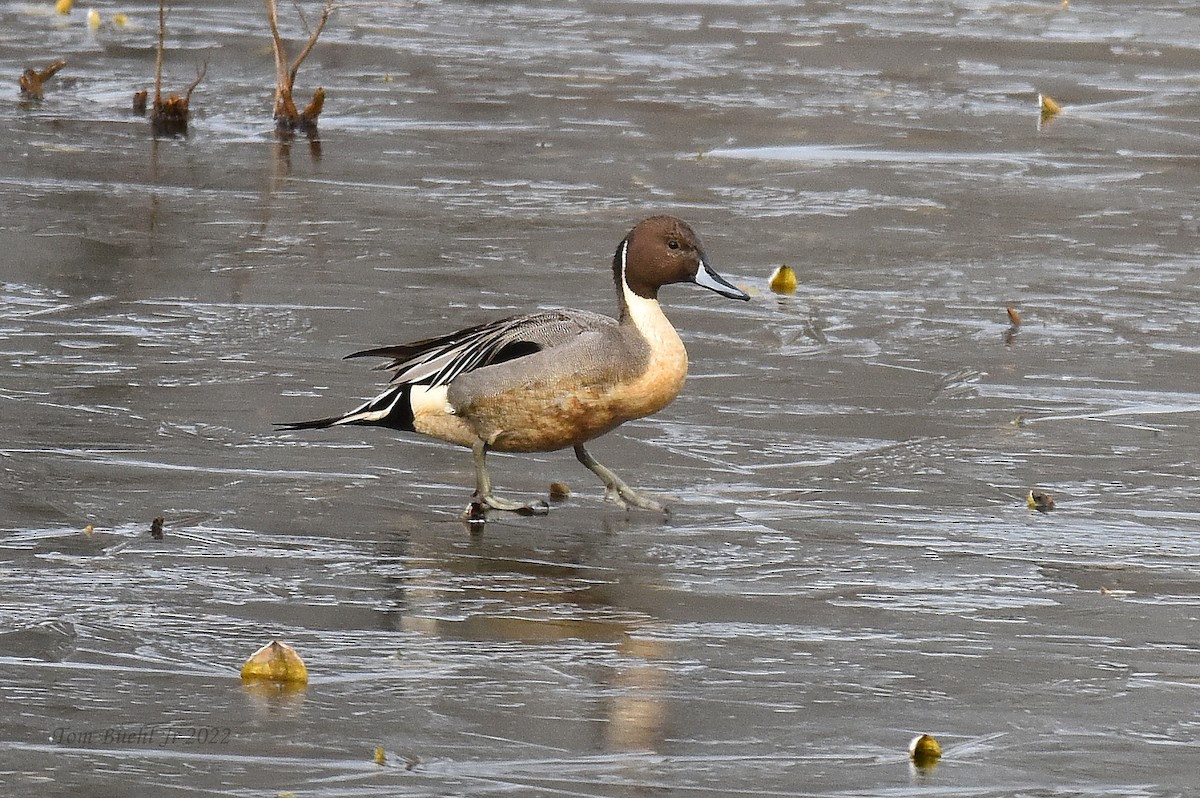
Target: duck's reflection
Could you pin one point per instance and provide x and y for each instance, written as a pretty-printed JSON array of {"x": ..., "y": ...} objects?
[
  {"x": 554, "y": 589},
  {"x": 638, "y": 712}
]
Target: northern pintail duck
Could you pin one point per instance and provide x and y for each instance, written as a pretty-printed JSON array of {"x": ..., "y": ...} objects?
[{"x": 548, "y": 380}]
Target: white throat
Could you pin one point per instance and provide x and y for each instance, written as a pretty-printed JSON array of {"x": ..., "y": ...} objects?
[{"x": 646, "y": 314}]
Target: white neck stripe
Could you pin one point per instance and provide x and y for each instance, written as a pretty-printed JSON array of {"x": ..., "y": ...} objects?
[{"x": 624, "y": 260}]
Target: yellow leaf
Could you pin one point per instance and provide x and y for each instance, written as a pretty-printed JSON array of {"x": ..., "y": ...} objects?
[
  {"x": 925, "y": 751},
  {"x": 783, "y": 280},
  {"x": 277, "y": 662}
]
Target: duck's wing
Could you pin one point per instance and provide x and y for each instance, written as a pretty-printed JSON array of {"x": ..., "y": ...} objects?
[{"x": 437, "y": 361}]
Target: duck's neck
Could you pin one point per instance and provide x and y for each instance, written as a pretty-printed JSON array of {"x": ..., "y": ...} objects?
[{"x": 641, "y": 312}]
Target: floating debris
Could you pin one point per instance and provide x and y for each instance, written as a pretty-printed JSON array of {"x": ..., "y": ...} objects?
[
  {"x": 139, "y": 102},
  {"x": 275, "y": 662},
  {"x": 156, "y": 528},
  {"x": 1014, "y": 326},
  {"x": 169, "y": 117},
  {"x": 1042, "y": 502},
  {"x": 93, "y": 19},
  {"x": 925, "y": 751},
  {"x": 475, "y": 516},
  {"x": 89, "y": 530},
  {"x": 380, "y": 755},
  {"x": 783, "y": 280},
  {"x": 32, "y": 81},
  {"x": 559, "y": 491},
  {"x": 1048, "y": 108},
  {"x": 64, "y": 6}
]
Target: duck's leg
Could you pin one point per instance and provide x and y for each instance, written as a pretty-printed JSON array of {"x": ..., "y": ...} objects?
[
  {"x": 483, "y": 500},
  {"x": 615, "y": 489}
]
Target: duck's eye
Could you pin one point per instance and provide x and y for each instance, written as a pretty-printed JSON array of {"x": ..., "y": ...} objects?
[{"x": 672, "y": 244}]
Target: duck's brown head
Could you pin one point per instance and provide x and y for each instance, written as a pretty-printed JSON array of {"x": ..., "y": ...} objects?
[{"x": 662, "y": 250}]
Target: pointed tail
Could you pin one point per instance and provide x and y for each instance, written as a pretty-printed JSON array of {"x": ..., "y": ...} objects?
[{"x": 392, "y": 408}]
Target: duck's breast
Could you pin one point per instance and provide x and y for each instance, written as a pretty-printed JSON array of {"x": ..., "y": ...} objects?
[{"x": 573, "y": 393}]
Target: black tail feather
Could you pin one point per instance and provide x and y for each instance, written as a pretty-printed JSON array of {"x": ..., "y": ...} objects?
[
  {"x": 320, "y": 423},
  {"x": 392, "y": 408}
]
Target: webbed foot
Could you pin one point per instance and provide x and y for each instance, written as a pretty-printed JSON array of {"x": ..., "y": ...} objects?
[
  {"x": 480, "y": 505},
  {"x": 615, "y": 488}
]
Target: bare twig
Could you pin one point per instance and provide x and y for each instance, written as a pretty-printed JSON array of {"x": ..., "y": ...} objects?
[
  {"x": 303, "y": 19},
  {"x": 158, "y": 61},
  {"x": 312, "y": 40},
  {"x": 282, "y": 89},
  {"x": 286, "y": 115},
  {"x": 170, "y": 116},
  {"x": 200, "y": 73}
]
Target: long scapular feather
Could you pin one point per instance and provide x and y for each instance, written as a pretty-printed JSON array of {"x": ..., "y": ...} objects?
[{"x": 437, "y": 361}]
